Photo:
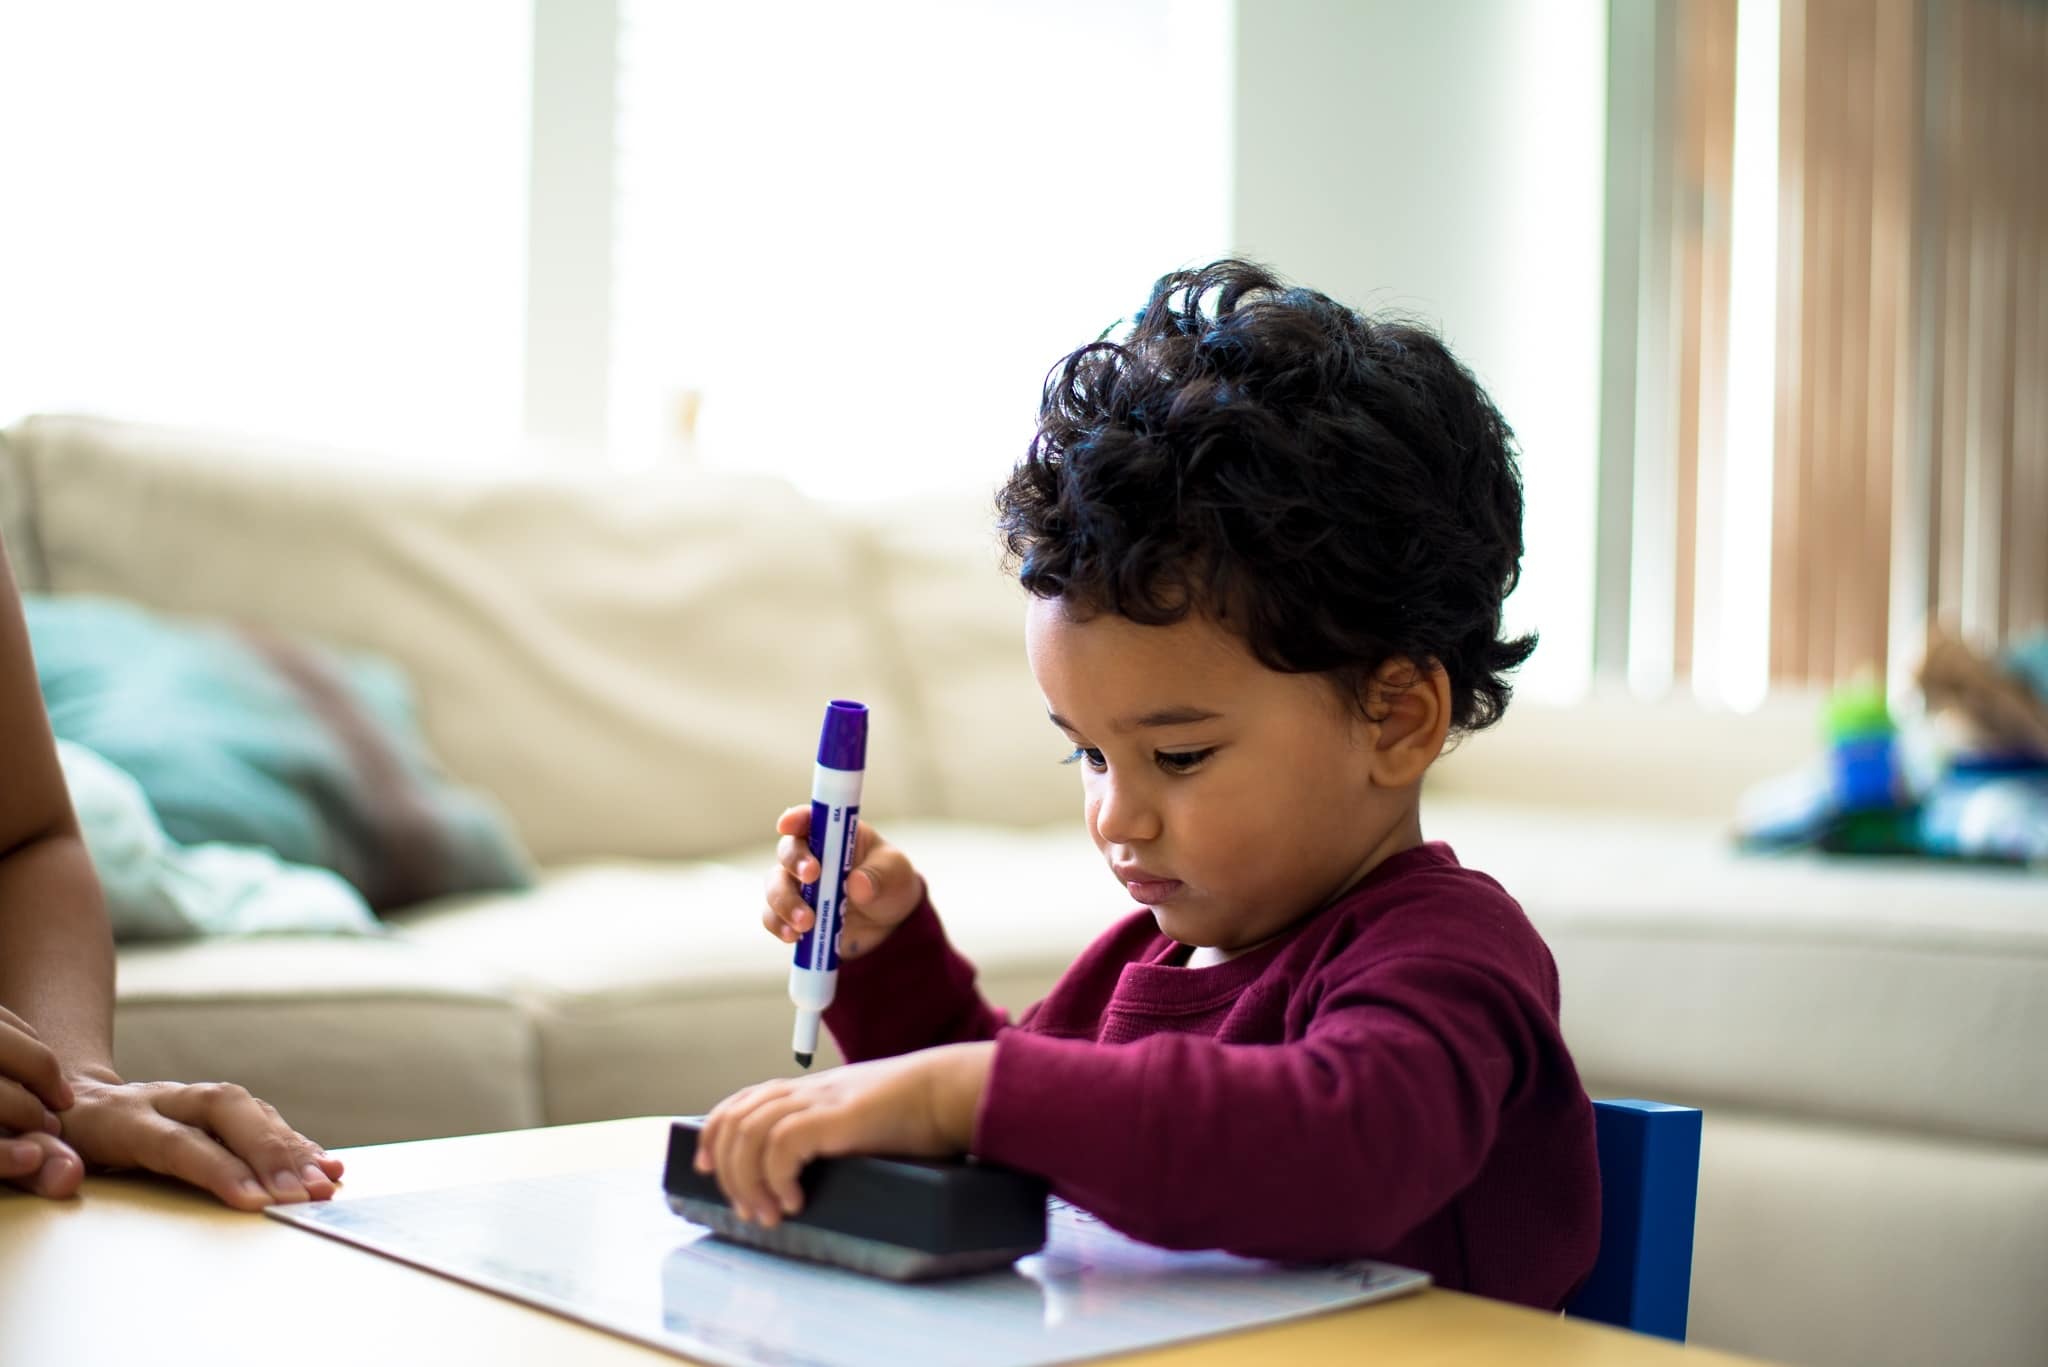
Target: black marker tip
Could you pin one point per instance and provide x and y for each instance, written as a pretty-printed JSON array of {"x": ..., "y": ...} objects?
[{"x": 804, "y": 1059}]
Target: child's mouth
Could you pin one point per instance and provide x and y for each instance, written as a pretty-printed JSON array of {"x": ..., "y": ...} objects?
[{"x": 1151, "y": 891}]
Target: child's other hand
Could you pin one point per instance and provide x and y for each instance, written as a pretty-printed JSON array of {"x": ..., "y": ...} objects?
[
  {"x": 919, "y": 1105},
  {"x": 882, "y": 889},
  {"x": 211, "y": 1134}
]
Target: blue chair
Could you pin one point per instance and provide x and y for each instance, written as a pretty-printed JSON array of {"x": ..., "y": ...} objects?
[{"x": 1649, "y": 1186}]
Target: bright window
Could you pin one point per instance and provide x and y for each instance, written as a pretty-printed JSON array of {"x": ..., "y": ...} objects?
[
  {"x": 860, "y": 234},
  {"x": 300, "y": 219}
]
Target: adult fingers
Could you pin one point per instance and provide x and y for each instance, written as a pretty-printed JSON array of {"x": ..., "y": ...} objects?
[
  {"x": 29, "y": 1062},
  {"x": 181, "y": 1150},
  {"x": 41, "y": 1163},
  {"x": 285, "y": 1161},
  {"x": 22, "y": 1110}
]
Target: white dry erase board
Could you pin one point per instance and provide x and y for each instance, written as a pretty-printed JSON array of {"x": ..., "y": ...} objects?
[{"x": 603, "y": 1248}]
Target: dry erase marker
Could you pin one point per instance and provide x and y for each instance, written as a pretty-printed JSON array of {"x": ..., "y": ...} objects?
[{"x": 835, "y": 816}]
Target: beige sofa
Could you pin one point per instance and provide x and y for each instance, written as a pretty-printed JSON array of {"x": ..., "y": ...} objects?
[{"x": 635, "y": 668}]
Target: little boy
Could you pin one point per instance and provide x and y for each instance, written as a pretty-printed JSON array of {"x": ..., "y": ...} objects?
[{"x": 1267, "y": 541}]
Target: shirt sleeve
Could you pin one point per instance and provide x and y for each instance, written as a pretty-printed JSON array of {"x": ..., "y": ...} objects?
[
  {"x": 1346, "y": 1138},
  {"x": 913, "y": 992}
]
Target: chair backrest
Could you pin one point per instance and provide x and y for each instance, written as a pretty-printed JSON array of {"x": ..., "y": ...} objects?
[{"x": 1649, "y": 1187}]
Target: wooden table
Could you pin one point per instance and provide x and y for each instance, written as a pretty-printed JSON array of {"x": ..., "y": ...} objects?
[{"x": 140, "y": 1271}]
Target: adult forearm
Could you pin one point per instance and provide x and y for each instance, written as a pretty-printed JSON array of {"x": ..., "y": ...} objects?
[{"x": 56, "y": 957}]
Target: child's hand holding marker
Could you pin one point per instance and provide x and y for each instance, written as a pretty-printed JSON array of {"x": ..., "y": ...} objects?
[
  {"x": 918, "y": 1104},
  {"x": 881, "y": 891}
]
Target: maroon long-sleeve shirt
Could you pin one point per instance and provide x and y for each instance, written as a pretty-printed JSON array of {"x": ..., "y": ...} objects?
[{"x": 1385, "y": 1080}]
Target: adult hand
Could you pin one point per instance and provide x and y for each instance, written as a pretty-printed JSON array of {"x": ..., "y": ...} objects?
[
  {"x": 41, "y": 1163},
  {"x": 915, "y": 1105},
  {"x": 32, "y": 1085},
  {"x": 211, "y": 1134},
  {"x": 882, "y": 888}
]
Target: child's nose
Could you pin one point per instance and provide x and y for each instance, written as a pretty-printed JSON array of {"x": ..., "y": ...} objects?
[{"x": 1125, "y": 814}]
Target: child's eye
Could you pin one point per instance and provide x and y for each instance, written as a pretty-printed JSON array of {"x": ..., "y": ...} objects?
[
  {"x": 1183, "y": 761},
  {"x": 1094, "y": 758}
]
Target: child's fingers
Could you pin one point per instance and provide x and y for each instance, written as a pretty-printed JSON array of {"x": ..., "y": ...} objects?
[
  {"x": 792, "y": 1144},
  {"x": 740, "y": 1164},
  {"x": 718, "y": 1143},
  {"x": 794, "y": 820},
  {"x": 884, "y": 885},
  {"x": 794, "y": 855},
  {"x": 723, "y": 1137},
  {"x": 787, "y": 915},
  {"x": 714, "y": 1125}
]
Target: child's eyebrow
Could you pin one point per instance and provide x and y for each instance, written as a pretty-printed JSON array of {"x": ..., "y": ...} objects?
[{"x": 1165, "y": 716}]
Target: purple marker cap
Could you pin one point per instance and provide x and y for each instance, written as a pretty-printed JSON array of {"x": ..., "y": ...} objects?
[{"x": 843, "y": 744}]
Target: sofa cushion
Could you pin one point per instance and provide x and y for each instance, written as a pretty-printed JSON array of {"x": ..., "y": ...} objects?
[
  {"x": 1846, "y": 1246},
  {"x": 631, "y": 664},
  {"x": 354, "y": 1040},
  {"x": 656, "y": 990},
  {"x": 957, "y": 622},
  {"x": 1894, "y": 992}
]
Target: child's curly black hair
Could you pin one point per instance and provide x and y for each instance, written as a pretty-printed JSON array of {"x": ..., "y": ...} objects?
[{"x": 1337, "y": 490}]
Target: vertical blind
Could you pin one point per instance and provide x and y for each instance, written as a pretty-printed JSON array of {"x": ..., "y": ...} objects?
[
  {"x": 1984, "y": 313},
  {"x": 1910, "y": 466}
]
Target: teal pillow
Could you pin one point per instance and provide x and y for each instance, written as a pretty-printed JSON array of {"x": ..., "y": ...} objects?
[
  {"x": 157, "y": 889},
  {"x": 243, "y": 737}
]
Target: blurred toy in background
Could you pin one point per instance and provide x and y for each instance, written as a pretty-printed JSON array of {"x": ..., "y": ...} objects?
[
  {"x": 2002, "y": 703},
  {"x": 1965, "y": 776},
  {"x": 1991, "y": 802},
  {"x": 1870, "y": 804}
]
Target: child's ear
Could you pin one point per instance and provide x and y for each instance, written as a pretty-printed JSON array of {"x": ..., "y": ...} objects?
[{"x": 1411, "y": 709}]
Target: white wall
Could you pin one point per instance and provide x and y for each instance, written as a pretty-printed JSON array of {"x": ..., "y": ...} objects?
[{"x": 1446, "y": 160}]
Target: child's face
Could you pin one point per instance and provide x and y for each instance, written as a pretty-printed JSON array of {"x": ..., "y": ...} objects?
[{"x": 1231, "y": 798}]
